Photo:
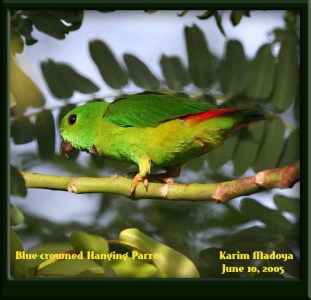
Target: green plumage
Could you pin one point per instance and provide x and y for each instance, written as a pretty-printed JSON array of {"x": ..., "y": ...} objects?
[
  {"x": 150, "y": 109},
  {"x": 151, "y": 129}
]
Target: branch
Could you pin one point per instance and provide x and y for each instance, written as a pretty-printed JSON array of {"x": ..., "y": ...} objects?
[{"x": 282, "y": 178}]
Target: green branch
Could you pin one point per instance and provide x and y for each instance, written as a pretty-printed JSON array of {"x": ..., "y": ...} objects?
[{"x": 283, "y": 178}]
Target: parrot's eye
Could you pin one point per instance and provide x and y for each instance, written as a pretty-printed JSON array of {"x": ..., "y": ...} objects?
[{"x": 72, "y": 119}]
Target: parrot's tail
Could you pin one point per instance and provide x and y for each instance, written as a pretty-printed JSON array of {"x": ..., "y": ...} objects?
[
  {"x": 246, "y": 117},
  {"x": 243, "y": 117}
]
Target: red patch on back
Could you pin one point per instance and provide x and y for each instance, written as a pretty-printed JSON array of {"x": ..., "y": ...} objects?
[
  {"x": 209, "y": 114},
  {"x": 95, "y": 149}
]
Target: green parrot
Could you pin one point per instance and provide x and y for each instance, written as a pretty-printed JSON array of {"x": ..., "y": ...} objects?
[{"x": 151, "y": 129}]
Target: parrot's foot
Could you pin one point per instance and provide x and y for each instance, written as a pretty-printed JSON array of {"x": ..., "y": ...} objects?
[
  {"x": 167, "y": 177},
  {"x": 163, "y": 177},
  {"x": 115, "y": 177},
  {"x": 136, "y": 180}
]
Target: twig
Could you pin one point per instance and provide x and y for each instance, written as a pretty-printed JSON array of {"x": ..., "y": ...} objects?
[{"x": 283, "y": 178}]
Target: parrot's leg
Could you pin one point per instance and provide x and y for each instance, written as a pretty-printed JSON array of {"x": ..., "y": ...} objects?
[
  {"x": 167, "y": 177},
  {"x": 144, "y": 169}
]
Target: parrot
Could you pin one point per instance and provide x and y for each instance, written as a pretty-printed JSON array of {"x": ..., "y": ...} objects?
[{"x": 151, "y": 129}]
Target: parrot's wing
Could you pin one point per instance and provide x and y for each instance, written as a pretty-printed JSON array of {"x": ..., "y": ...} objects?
[{"x": 150, "y": 109}]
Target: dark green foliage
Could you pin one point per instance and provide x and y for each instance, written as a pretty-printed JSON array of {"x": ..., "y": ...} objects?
[
  {"x": 217, "y": 17},
  {"x": 22, "y": 131},
  {"x": 19, "y": 267},
  {"x": 277, "y": 234},
  {"x": 76, "y": 81},
  {"x": 51, "y": 21},
  {"x": 261, "y": 74},
  {"x": 291, "y": 151},
  {"x": 271, "y": 218},
  {"x": 236, "y": 16},
  {"x": 73, "y": 18},
  {"x": 63, "y": 80},
  {"x": 286, "y": 204},
  {"x": 55, "y": 80},
  {"x": 176, "y": 77},
  {"x": 48, "y": 23},
  {"x": 184, "y": 12},
  {"x": 233, "y": 70},
  {"x": 200, "y": 60},
  {"x": 45, "y": 132},
  {"x": 16, "y": 216},
  {"x": 107, "y": 64},
  {"x": 22, "y": 27},
  {"x": 207, "y": 15},
  {"x": 190, "y": 227},
  {"x": 223, "y": 153},
  {"x": 17, "y": 183},
  {"x": 55, "y": 23},
  {"x": 286, "y": 84},
  {"x": 271, "y": 145},
  {"x": 105, "y": 11},
  {"x": 150, "y": 11},
  {"x": 248, "y": 147},
  {"x": 140, "y": 73}
]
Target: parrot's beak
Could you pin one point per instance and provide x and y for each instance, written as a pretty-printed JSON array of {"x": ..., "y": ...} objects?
[{"x": 66, "y": 147}]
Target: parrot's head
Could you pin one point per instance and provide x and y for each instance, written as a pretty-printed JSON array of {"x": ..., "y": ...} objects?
[{"x": 79, "y": 127}]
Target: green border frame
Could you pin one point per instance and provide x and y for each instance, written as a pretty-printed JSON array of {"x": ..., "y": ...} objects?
[{"x": 291, "y": 288}]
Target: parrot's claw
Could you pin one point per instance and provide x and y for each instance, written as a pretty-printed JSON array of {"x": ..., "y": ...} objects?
[
  {"x": 169, "y": 181},
  {"x": 115, "y": 177},
  {"x": 146, "y": 183},
  {"x": 136, "y": 180},
  {"x": 164, "y": 178}
]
